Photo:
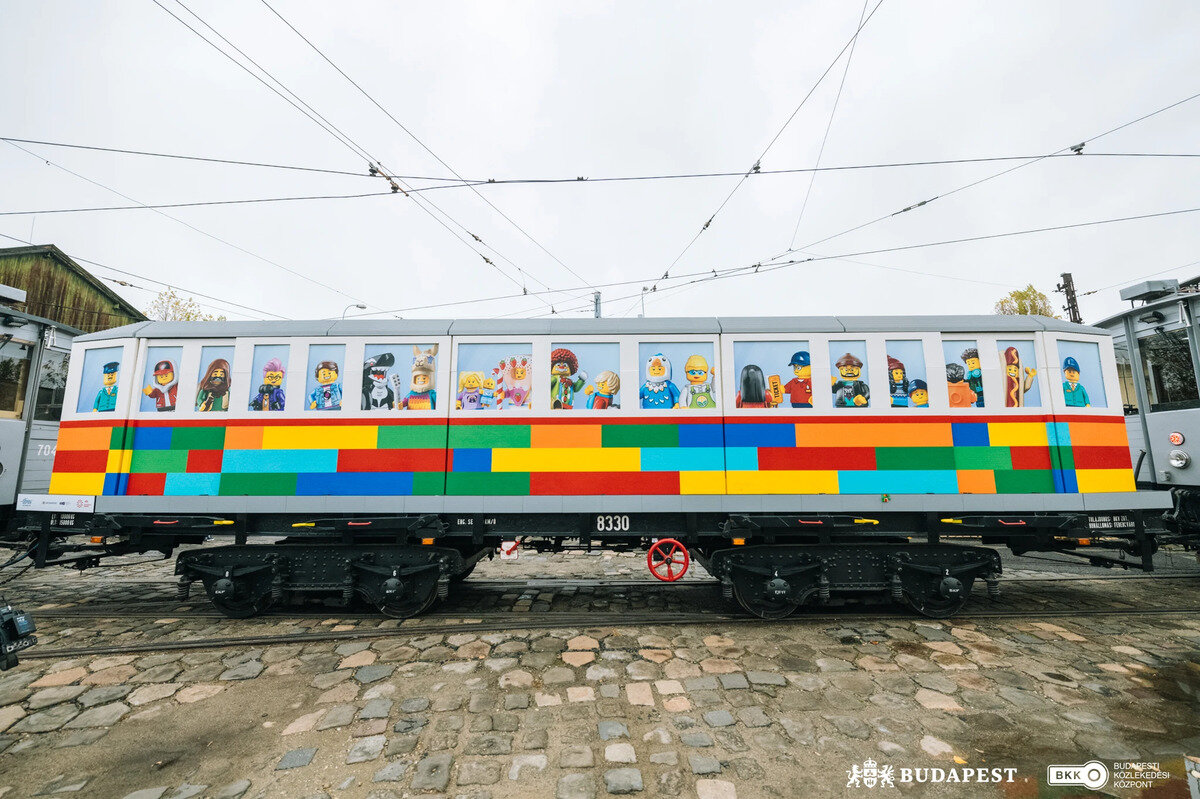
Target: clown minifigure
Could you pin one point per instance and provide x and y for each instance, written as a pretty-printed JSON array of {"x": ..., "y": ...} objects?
[
  {"x": 658, "y": 392},
  {"x": 106, "y": 397},
  {"x": 327, "y": 396},
  {"x": 565, "y": 379},
  {"x": 164, "y": 388},
  {"x": 970, "y": 357},
  {"x": 897, "y": 383},
  {"x": 270, "y": 395},
  {"x": 605, "y": 391},
  {"x": 799, "y": 388},
  {"x": 698, "y": 393},
  {"x": 1074, "y": 394},
  {"x": 848, "y": 390}
]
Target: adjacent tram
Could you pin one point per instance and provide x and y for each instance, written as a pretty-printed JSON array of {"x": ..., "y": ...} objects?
[{"x": 798, "y": 459}]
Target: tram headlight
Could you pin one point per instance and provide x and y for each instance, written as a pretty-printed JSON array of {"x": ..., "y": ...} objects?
[{"x": 1179, "y": 459}]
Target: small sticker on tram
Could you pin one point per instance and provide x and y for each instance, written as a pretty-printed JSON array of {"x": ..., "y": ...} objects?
[
  {"x": 1110, "y": 522},
  {"x": 509, "y": 550}
]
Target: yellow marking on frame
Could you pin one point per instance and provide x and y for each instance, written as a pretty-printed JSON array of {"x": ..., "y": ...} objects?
[
  {"x": 1100, "y": 481},
  {"x": 702, "y": 482},
  {"x": 567, "y": 459},
  {"x": 1017, "y": 434},
  {"x": 782, "y": 482},
  {"x": 88, "y": 484},
  {"x": 320, "y": 437}
]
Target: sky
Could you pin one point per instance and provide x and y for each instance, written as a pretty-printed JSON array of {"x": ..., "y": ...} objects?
[{"x": 563, "y": 90}]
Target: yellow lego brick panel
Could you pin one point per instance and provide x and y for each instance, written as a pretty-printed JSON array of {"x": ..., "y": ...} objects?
[
  {"x": 85, "y": 483},
  {"x": 868, "y": 434},
  {"x": 1101, "y": 481},
  {"x": 319, "y": 437},
  {"x": 118, "y": 460},
  {"x": 567, "y": 459},
  {"x": 84, "y": 438},
  {"x": 782, "y": 482},
  {"x": 702, "y": 482},
  {"x": 1017, "y": 434}
]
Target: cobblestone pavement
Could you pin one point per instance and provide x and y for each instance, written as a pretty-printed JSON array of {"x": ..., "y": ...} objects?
[{"x": 711, "y": 710}]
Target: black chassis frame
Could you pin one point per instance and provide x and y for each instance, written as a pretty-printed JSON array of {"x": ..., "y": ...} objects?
[{"x": 475, "y": 535}]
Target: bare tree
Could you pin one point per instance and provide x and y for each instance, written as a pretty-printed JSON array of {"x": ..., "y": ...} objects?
[{"x": 170, "y": 307}]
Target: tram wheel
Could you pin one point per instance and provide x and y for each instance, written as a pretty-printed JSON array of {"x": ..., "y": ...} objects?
[
  {"x": 936, "y": 607},
  {"x": 769, "y": 609},
  {"x": 405, "y": 607},
  {"x": 242, "y": 607}
]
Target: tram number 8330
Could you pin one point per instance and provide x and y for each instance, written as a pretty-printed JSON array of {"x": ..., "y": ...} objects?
[{"x": 612, "y": 524}]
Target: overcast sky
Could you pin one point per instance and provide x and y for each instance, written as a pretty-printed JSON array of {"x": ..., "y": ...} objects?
[{"x": 537, "y": 90}]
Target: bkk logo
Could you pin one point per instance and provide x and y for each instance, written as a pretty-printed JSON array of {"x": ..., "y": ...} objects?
[{"x": 871, "y": 774}]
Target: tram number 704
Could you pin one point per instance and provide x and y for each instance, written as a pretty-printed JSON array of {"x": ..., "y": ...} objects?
[{"x": 612, "y": 524}]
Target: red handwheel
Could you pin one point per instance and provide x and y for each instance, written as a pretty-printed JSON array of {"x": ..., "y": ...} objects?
[{"x": 666, "y": 557}]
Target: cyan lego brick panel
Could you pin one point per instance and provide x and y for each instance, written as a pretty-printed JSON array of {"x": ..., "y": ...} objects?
[
  {"x": 354, "y": 484},
  {"x": 899, "y": 482},
  {"x": 739, "y": 459},
  {"x": 188, "y": 485},
  {"x": 760, "y": 435},
  {"x": 679, "y": 459},
  {"x": 1059, "y": 433},
  {"x": 266, "y": 461}
]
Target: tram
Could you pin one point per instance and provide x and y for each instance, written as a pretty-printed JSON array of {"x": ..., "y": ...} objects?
[{"x": 799, "y": 460}]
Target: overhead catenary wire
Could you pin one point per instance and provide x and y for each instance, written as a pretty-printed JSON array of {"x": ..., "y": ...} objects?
[
  {"x": 1131, "y": 280},
  {"x": 812, "y": 178},
  {"x": 198, "y": 204},
  {"x": 155, "y": 280},
  {"x": 758, "y": 162},
  {"x": 344, "y": 139},
  {"x": 424, "y": 146},
  {"x": 189, "y": 225}
]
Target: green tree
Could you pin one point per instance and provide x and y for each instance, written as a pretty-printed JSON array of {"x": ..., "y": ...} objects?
[
  {"x": 1026, "y": 302},
  {"x": 170, "y": 307}
]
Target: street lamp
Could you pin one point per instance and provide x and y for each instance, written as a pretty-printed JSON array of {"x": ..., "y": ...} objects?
[{"x": 357, "y": 305}]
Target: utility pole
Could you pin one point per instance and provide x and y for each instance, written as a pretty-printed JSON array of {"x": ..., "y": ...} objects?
[
  {"x": 596, "y": 303},
  {"x": 1067, "y": 287}
]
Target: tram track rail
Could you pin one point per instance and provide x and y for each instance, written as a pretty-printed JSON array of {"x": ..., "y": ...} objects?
[{"x": 508, "y": 621}]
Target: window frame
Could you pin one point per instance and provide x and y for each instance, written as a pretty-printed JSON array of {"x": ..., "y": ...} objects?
[
  {"x": 1108, "y": 369},
  {"x": 539, "y": 352},
  {"x": 635, "y": 367},
  {"x": 79, "y": 352}
]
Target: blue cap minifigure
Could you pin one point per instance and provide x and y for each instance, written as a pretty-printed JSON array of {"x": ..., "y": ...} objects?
[
  {"x": 800, "y": 359},
  {"x": 1070, "y": 364},
  {"x": 111, "y": 367},
  {"x": 917, "y": 385}
]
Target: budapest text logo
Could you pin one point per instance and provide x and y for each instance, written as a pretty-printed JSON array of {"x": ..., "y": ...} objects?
[
  {"x": 871, "y": 774},
  {"x": 1092, "y": 774}
]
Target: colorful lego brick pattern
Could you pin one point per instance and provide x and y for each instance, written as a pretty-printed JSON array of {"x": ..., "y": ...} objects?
[
  {"x": 250, "y": 459},
  {"x": 709, "y": 455}
]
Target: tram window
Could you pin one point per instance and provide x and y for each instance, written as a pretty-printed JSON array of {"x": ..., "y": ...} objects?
[
  {"x": 849, "y": 359},
  {"x": 1019, "y": 362},
  {"x": 385, "y": 386},
  {"x": 101, "y": 381},
  {"x": 494, "y": 377},
  {"x": 213, "y": 382},
  {"x": 908, "y": 385},
  {"x": 268, "y": 377},
  {"x": 585, "y": 376},
  {"x": 964, "y": 373},
  {"x": 14, "y": 377},
  {"x": 1168, "y": 371},
  {"x": 52, "y": 386},
  {"x": 1082, "y": 382},
  {"x": 1125, "y": 376},
  {"x": 160, "y": 383},
  {"x": 323, "y": 382},
  {"x": 676, "y": 375},
  {"x": 772, "y": 374}
]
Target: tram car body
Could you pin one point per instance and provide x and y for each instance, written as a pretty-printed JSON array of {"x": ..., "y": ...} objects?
[
  {"x": 1156, "y": 348},
  {"x": 799, "y": 459}
]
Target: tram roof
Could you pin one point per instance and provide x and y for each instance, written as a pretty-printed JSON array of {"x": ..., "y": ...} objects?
[{"x": 592, "y": 327}]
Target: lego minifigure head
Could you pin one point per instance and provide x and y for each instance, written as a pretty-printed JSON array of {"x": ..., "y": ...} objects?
[
  {"x": 918, "y": 394},
  {"x": 752, "y": 384},
  {"x": 489, "y": 383},
  {"x": 470, "y": 381},
  {"x": 849, "y": 367},
  {"x": 608, "y": 383},
  {"x": 164, "y": 373},
  {"x": 326, "y": 372},
  {"x": 520, "y": 369},
  {"x": 1071, "y": 370},
  {"x": 110, "y": 373},
  {"x": 895, "y": 370},
  {"x": 658, "y": 368},
  {"x": 801, "y": 365},
  {"x": 970, "y": 357},
  {"x": 563, "y": 362},
  {"x": 273, "y": 373},
  {"x": 696, "y": 369},
  {"x": 954, "y": 373}
]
